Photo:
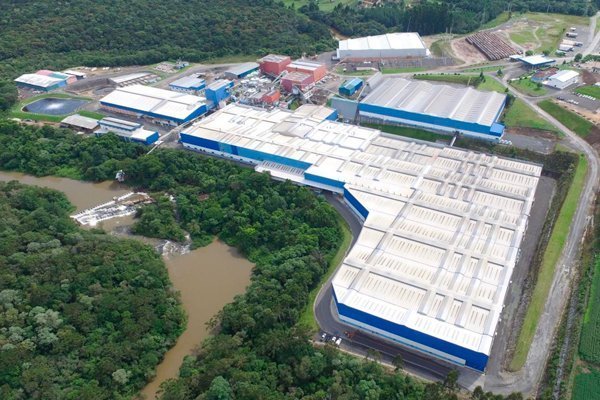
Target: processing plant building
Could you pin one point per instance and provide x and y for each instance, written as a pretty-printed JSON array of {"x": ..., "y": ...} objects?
[
  {"x": 188, "y": 84},
  {"x": 441, "y": 230},
  {"x": 159, "y": 105},
  {"x": 390, "y": 45},
  {"x": 45, "y": 80},
  {"x": 435, "y": 107}
]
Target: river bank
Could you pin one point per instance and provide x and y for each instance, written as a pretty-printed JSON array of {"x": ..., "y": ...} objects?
[{"x": 206, "y": 278}]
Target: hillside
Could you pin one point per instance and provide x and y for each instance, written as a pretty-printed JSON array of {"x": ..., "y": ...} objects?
[{"x": 47, "y": 34}]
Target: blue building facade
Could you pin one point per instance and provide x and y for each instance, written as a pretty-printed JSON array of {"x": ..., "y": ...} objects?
[
  {"x": 218, "y": 91},
  {"x": 350, "y": 87},
  {"x": 433, "y": 122}
]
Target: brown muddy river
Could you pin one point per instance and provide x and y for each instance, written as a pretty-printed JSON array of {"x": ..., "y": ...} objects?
[{"x": 207, "y": 278}]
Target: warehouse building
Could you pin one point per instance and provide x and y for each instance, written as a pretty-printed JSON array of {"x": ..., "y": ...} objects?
[
  {"x": 240, "y": 71},
  {"x": 537, "y": 61},
  {"x": 273, "y": 64},
  {"x": 77, "y": 74},
  {"x": 135, "y": 78},
  {"x": 129, "y": 131},
  {"x": 158, "y": 105},
  {"x": 44, "y": 80},
  {"x": 390, "y": 45},
  {"x": 299, "y": 80},
  {"x": 435, "y": 107},
  {"x": 315, "y": 69},
  {"x": 80, "y": 123},
  {"x": 563, "y": 79},
  {"x": 188, "y": 84},
  {"x": 350, "y": 87},
  {"x": 441, "y": 230},
  {"x": 217, "y": 92}
]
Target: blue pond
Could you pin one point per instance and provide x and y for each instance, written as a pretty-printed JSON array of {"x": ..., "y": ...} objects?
[{"x": 54, "y": 106}]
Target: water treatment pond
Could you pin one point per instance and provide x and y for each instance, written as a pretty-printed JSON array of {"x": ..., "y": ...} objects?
[{"x": 54, "y": 106}]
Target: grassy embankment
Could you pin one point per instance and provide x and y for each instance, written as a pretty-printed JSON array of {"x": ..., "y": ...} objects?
[
  {"x": 574, "y": 122},
  {"x": 586, "y": 383},
  {"x": 545, "y": 276},
  {"x": 590, "y": 90},
  {"x": 307, "y": 318},
  {"x": 520, "y": 115},
  {"x": 402, "y": 70},
  {"x": 16, "y": 110},
  {"x": 528, "y": 87},
  {"x": 406, "y": 131}
]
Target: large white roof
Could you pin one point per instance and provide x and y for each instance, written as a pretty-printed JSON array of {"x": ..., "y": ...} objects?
[
  {"x": 564, "y": 75},
  {"x": 38, "y": 80},
  {"x": 457, "y": 103},
  {"x": 389, "y": 41},
  {"x": 438, "y": 247},
  {"x": 152, "y": 100}
]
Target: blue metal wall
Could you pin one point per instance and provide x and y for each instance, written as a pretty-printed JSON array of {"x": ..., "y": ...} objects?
[
  {"x": 217, "y": 95},
  {"x": 427, "y": 119},
  {"x": 333, "y": 116},
  {"x": 325, "y": 181},
  {"x": 196, "y": 141},
  {"x": 356, "y": 204},
  {"x": 473, "y": 359}
]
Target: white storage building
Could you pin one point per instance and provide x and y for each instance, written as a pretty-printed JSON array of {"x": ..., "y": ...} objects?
[
  {"x": 390, "y": 45},
  {"x": 563, "y": 79}
]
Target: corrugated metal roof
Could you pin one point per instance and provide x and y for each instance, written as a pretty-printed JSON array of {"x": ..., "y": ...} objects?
[
  {"x": 38, "y": 80},
  {"x": 190, "y": 82},
  {"x": 564, "y": 75},
  {"x": 441, "y": 239},
  {"x": 460, "y": 104},
  {"x": 153, "y": 100},
  {"x": 81, "y": 121},
  {"x": 389, "y": 41},
  {"x": 242, "y": 68}
]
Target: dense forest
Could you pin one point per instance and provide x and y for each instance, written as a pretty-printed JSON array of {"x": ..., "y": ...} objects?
[
  {"x": 260, "y": 351},
  {"x": 431, "y": 17},
  {"x": 47, "y": 34},
  {"x": 82, "y": 315}
]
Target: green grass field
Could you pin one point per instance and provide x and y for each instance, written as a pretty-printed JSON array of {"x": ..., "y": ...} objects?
[
  {"x": 587, "y": 385},
  {"x": 522, "y": 38},
  {"x": 528, "y": 87},
  {"x": 548, "y": 266},
  {"x": 589, "y": 346},
  {"x": 590, "y": 90},
  {"x": 402, "y": 70},
  {"x": 580, "y": 126},
  {"x": 91, "y": 114},
  {"x": 491, "y": 85},
  {"x": 461, "y": 79},
  {"x": 414, "y": 133},
  {"x": 521, "y": 115},
  {"x": 307, "y": 318}
]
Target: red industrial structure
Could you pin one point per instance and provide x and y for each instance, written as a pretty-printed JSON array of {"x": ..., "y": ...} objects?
[
  {"x": 273, "y": 64},
  {"x": 315, "y": 69},
  {"x": 299, "y": 79},
  {"x": 271, "y": 97}
]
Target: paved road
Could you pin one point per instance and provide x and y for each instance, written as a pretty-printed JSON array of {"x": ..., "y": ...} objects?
[
  {"x": 527, "y": 379},
  {"x": 593, "y": 40}
]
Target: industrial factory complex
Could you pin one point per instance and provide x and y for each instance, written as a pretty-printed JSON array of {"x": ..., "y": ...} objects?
[
  {"x": 442, "y": 226},
  {"x": 435, "y": 107}
]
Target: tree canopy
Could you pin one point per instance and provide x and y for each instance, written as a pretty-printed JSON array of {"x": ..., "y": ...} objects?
[{"x": 83, "y": 315}]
